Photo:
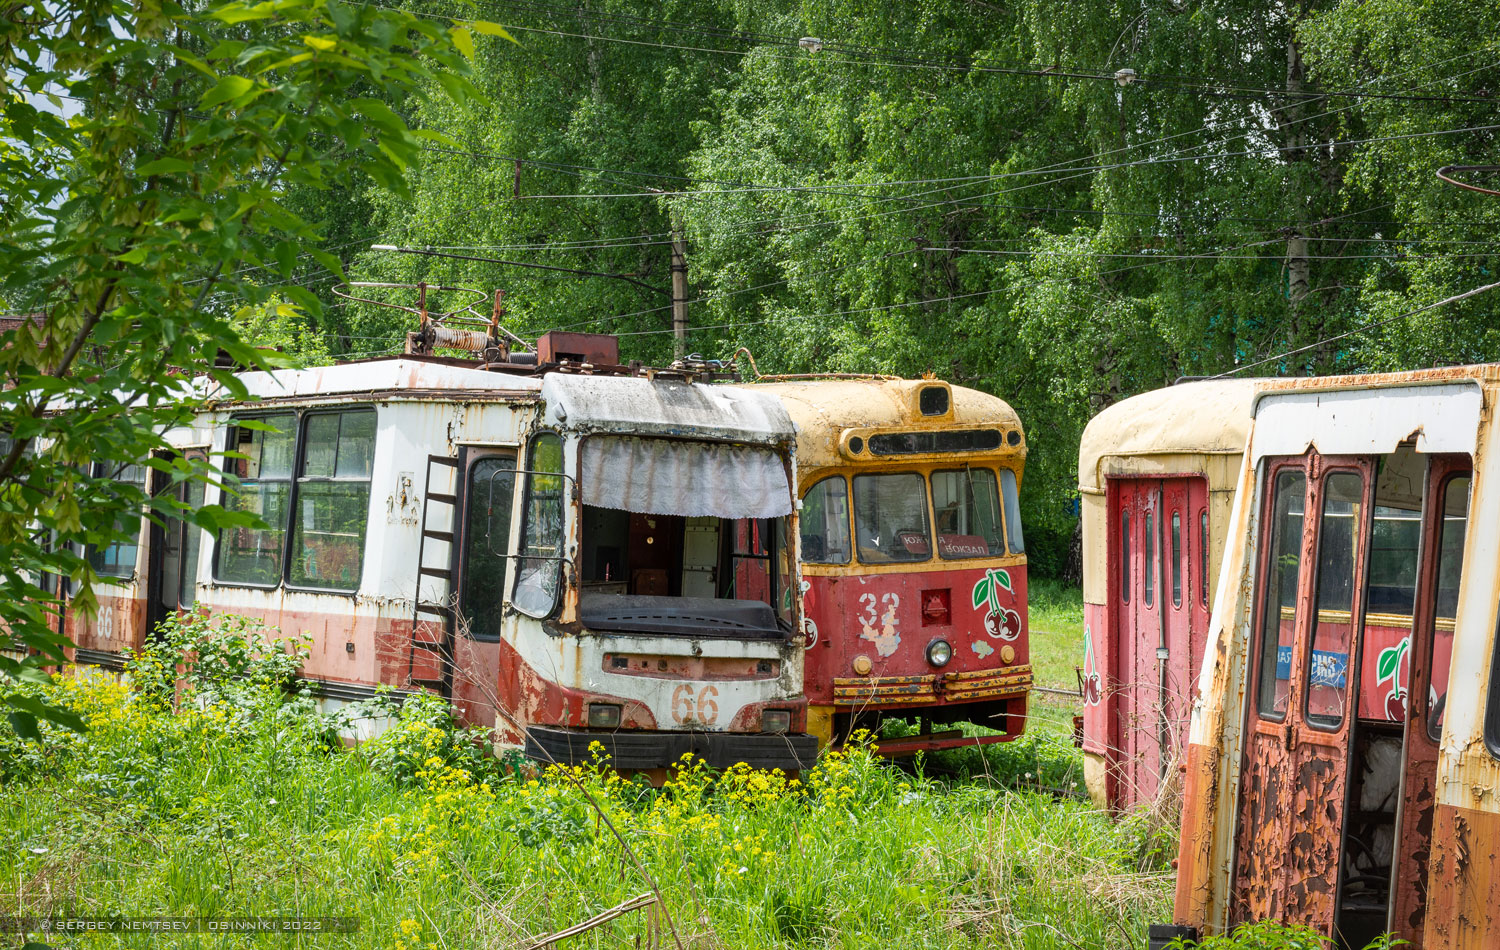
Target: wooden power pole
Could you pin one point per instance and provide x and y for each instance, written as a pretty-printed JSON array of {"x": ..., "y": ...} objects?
[{"x": 679, "y": 292}]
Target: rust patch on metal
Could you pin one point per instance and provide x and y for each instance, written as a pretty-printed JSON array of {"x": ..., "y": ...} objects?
[{"x": 1464, "y": 880}]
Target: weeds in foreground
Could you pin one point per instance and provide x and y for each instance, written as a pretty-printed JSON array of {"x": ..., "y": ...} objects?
[{"x": 237, "y": 804}]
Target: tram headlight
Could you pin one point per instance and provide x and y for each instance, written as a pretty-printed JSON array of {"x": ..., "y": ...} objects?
[
  {"x": 776, "y": 720},
  {"x": 604, "y": 716},
  {"x": 939, "y": 652}
]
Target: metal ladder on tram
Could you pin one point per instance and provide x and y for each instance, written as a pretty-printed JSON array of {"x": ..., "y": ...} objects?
[{"x": 430, "y": 659}]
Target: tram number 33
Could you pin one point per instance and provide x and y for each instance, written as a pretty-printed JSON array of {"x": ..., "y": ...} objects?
[{"x": 700, "y": 706}]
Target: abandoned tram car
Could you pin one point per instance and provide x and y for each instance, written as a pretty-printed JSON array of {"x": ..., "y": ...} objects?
[
  {"x": 1343, "y": 762},
  {"x": 913, "y": 558},
  {"x": 568, "y": 558},
  {"x": 1156, "y": 475}
]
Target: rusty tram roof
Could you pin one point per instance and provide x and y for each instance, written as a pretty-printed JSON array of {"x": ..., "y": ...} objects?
[{"x": 824, "y": 409}]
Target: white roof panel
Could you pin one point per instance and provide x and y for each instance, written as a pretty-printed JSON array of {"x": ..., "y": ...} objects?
[{"x": 382, "y": 376}]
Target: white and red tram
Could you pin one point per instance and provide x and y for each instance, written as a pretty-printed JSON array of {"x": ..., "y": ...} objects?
[{"x": 569, "y": 557}]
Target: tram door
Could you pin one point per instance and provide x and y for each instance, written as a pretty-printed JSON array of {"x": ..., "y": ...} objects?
[
  {"x": 1444, "y": 529},
  {"x": 171, "y": 581},
  {"x": 1161, "y": 611},
  {"x": 484, "y": 541},
  {"x": 1357, "y": 584},
  {"x": 1294, "y": 780}
]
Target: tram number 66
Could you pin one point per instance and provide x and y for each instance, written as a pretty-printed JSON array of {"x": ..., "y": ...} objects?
[{"x": 700, "y": 707}]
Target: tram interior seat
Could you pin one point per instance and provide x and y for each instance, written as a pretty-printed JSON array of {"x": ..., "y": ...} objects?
[{"x": 703, "y": 577}]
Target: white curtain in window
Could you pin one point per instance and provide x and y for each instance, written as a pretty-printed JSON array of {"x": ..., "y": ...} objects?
[{"x": 694, "y": 479}]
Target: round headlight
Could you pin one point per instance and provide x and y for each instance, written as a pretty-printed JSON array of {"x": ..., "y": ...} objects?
[{"x": 939, "y": 652}]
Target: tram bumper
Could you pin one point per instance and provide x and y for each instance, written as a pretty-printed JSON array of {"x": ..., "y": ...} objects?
[{"x": 654, "y": 750}]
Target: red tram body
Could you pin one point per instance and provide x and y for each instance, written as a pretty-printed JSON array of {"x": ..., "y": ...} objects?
[{"x": 912, "y": 557}]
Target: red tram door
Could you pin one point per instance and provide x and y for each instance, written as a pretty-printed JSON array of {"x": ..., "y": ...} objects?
[
  {"x": 1160, "y": 600},
  {"x": 1294, "y": 780}
]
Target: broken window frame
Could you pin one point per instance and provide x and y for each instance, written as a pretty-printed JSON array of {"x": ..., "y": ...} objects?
[{"x": 549, "y": 580}]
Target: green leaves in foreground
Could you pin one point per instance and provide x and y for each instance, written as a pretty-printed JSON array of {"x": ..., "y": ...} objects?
[{"x": 145, "y": 153}]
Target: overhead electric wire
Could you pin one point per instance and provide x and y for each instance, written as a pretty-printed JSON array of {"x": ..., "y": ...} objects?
[
  {"x": 1205, "y": 128},
  {"x": 722, "y": 295},
  {"x": 1169, "y": 257},
  {"x": 814, "y": 316},
  {"x": 786, "y": 223},
  {"x": 903, "y": 59},
  {"x": 1088, "y": 169},
  {"x": 1373, "y": 325},
  {"x": 428, "y": 252},
  {"x": 828, "y": 189},
  {"x": 1148, "y": 263}
]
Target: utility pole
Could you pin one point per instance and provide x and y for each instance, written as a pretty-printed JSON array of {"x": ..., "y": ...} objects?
[
  {"x": 1298, "y": 267},
  {"x": 679, "y": 291}
]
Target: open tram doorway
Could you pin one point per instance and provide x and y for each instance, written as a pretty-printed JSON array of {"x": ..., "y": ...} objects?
[
  {"x": 1159, "y": 592},
  {"x": 1358, "y": 570},
  {"x": 173, "y": 545}
]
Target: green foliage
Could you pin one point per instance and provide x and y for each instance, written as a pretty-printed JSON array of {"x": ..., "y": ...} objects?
[
  {"x": 1054, "y": 623},
  {"x": 146, "y": 154},
  {"x": 1037, "y": 759},
  {"x": 423, "y": 734},
  {"x": 203, "y": 656},
  {"x": 915, "y": 198},
  {"x": 283, "y": 327},
  {"x": 1271, "y": 935}
]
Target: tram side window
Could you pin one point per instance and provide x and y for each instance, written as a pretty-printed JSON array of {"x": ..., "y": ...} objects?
[
  {"x": 1125, "y": 556},
  {"x": 486, "y": 542},
  {"x": 333, "y": 500},
  {"x": 1455, "y": 509},
  {"x": 539, "y": 569},
  {"x": 1279, "y": 606},
  {"x": 1148, "y": 567},
  {"x": 825, "y": 522},
  {"x": 253, "y": 555},
  {"x": 966, "y": 504},
  {"x": 1333, "y": 624},
  {"x": 1176, "y": 559},
  {"x": 117, "y": 559},
  {"x": 1390, "y": 599},
  {"x": 890, "y": 518},
  {"x": 1203, "y": 556},
  {"x": 1014, "y": 537}
]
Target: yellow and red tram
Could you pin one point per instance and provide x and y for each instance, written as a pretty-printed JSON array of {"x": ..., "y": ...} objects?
[{"x": 912, "y": 555}]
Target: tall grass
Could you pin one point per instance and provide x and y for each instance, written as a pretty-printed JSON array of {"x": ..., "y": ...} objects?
[
  {"x": 241, "y": 804},
  {"x": 1055, "y": 624}
]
